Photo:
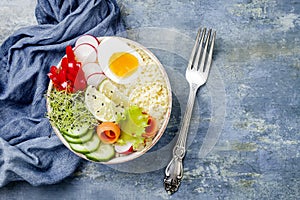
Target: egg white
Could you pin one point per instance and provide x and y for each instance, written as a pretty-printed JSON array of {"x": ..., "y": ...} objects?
[{"x": 106, "y": 49}]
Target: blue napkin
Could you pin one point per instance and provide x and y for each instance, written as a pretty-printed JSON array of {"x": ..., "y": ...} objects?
[{"x": 26, "y": 151}]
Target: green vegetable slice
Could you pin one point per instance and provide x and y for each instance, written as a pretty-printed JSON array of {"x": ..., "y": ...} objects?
[
  {"x": 77, "y": 131},
  {"x": 85, "y": 138},
  {"x": 104, "y": 153},
  {"x": 87, "y": 147},
  {"x": 113, "y": 93},
  {"x": 68, "y": 111},
  {"x": 138, "y": 143},
  {"x": 135, "y": 121},
  {"x": 102, "y": 107}
]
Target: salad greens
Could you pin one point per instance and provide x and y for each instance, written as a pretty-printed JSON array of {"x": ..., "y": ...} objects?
[
  {"x": 133, "y": 127},
  {"x": 135, "y": 121},
  {"x": 138, "y": 143}
]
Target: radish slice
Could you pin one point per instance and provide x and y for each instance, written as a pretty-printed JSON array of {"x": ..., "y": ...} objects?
[
  {"x": 91, "y": 68},
  {"x": 95, "y": 79},
  {"x": 87, "y": 39},
  {"x": 85, "y": 53},
  {"x": 124, "y": 149}
]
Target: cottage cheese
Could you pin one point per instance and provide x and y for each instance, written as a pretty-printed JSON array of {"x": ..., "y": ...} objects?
[{"x": 150, "y": 90}]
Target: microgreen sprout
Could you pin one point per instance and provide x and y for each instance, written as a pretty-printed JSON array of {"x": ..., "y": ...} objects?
[{"x": 68, "y": 110}]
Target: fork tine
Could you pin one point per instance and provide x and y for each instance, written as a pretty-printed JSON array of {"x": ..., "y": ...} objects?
[
  {"x": 201, "y": 68},
  {"x": 191, "y": 61},
  {"x": 196, "y": 62},
  {"x": 208, "y": 64}
]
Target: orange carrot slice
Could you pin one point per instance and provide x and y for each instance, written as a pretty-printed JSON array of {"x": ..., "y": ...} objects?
[{"x": 108, "y": 132}]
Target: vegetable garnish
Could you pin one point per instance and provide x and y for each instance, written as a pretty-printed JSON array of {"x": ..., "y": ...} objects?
[
  {"x": 70, "y": 54},
  {"x": 124, "y": 149},
  {"x": 68, "y": 111},
  {"x": 70, "y": 76},
  {"x": 135, "y": 121},
  {"x": 151, "y": 129},
  {"x": 108, "y": 132},
  {"x": 103, "y": 108},
  {"x": 138, "y": 143}
]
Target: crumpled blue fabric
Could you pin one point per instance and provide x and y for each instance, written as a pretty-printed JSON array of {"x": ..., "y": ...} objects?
[{"x": 26, "y": 151}]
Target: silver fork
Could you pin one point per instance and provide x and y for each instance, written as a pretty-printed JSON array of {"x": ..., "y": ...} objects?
[{"x": 196, "y": 75}]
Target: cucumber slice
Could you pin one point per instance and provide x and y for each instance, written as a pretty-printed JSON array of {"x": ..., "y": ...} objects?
[
  {"x": 104, "y": 153},
  {"x": 85, "y": 138},
  {"x": 100, "y": 106},
  {"x": 87, "y": 147},
  {"x": 113, "y": 93},
  {"x": 77, "y": 132}
]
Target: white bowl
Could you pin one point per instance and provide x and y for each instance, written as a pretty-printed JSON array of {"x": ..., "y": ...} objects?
[{"x": 125, "y": 158}]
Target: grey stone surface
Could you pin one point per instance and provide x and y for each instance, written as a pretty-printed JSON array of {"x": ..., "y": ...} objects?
[{"x": 256, "y": 65}]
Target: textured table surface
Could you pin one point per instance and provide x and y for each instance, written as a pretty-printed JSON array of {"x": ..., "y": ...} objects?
[{"x": 252, "y": 99}]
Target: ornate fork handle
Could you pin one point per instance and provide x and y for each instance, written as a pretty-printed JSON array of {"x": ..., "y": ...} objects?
[
  {"x": 174, "y": 170},
  {"x": 196, "y": 74}
]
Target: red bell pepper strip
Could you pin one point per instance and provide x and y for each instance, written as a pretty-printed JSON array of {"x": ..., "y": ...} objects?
[
  {"x": 70, "y": 76},
  {"x": 70, "y": 54}
]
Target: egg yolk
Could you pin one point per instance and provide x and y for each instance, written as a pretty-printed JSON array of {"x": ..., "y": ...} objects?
[{"x": 123, "y": 64}]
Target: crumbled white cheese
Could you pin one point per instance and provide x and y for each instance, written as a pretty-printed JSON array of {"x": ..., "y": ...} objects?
[
  {"x": 153, "y": 98},
  {"x": 149, "y": 91}
]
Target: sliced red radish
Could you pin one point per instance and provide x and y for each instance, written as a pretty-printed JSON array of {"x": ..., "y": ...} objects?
[
  {"x": 88, "y": 39},
  {"x": 85, "y": 53},
  {"x": 91, "y": 68},
  {"x": 124, "y": 149},
  {"x": 95, "y": 79}
]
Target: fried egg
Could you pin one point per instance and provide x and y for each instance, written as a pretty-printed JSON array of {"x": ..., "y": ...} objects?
[{"x": 119, "y": 62}]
